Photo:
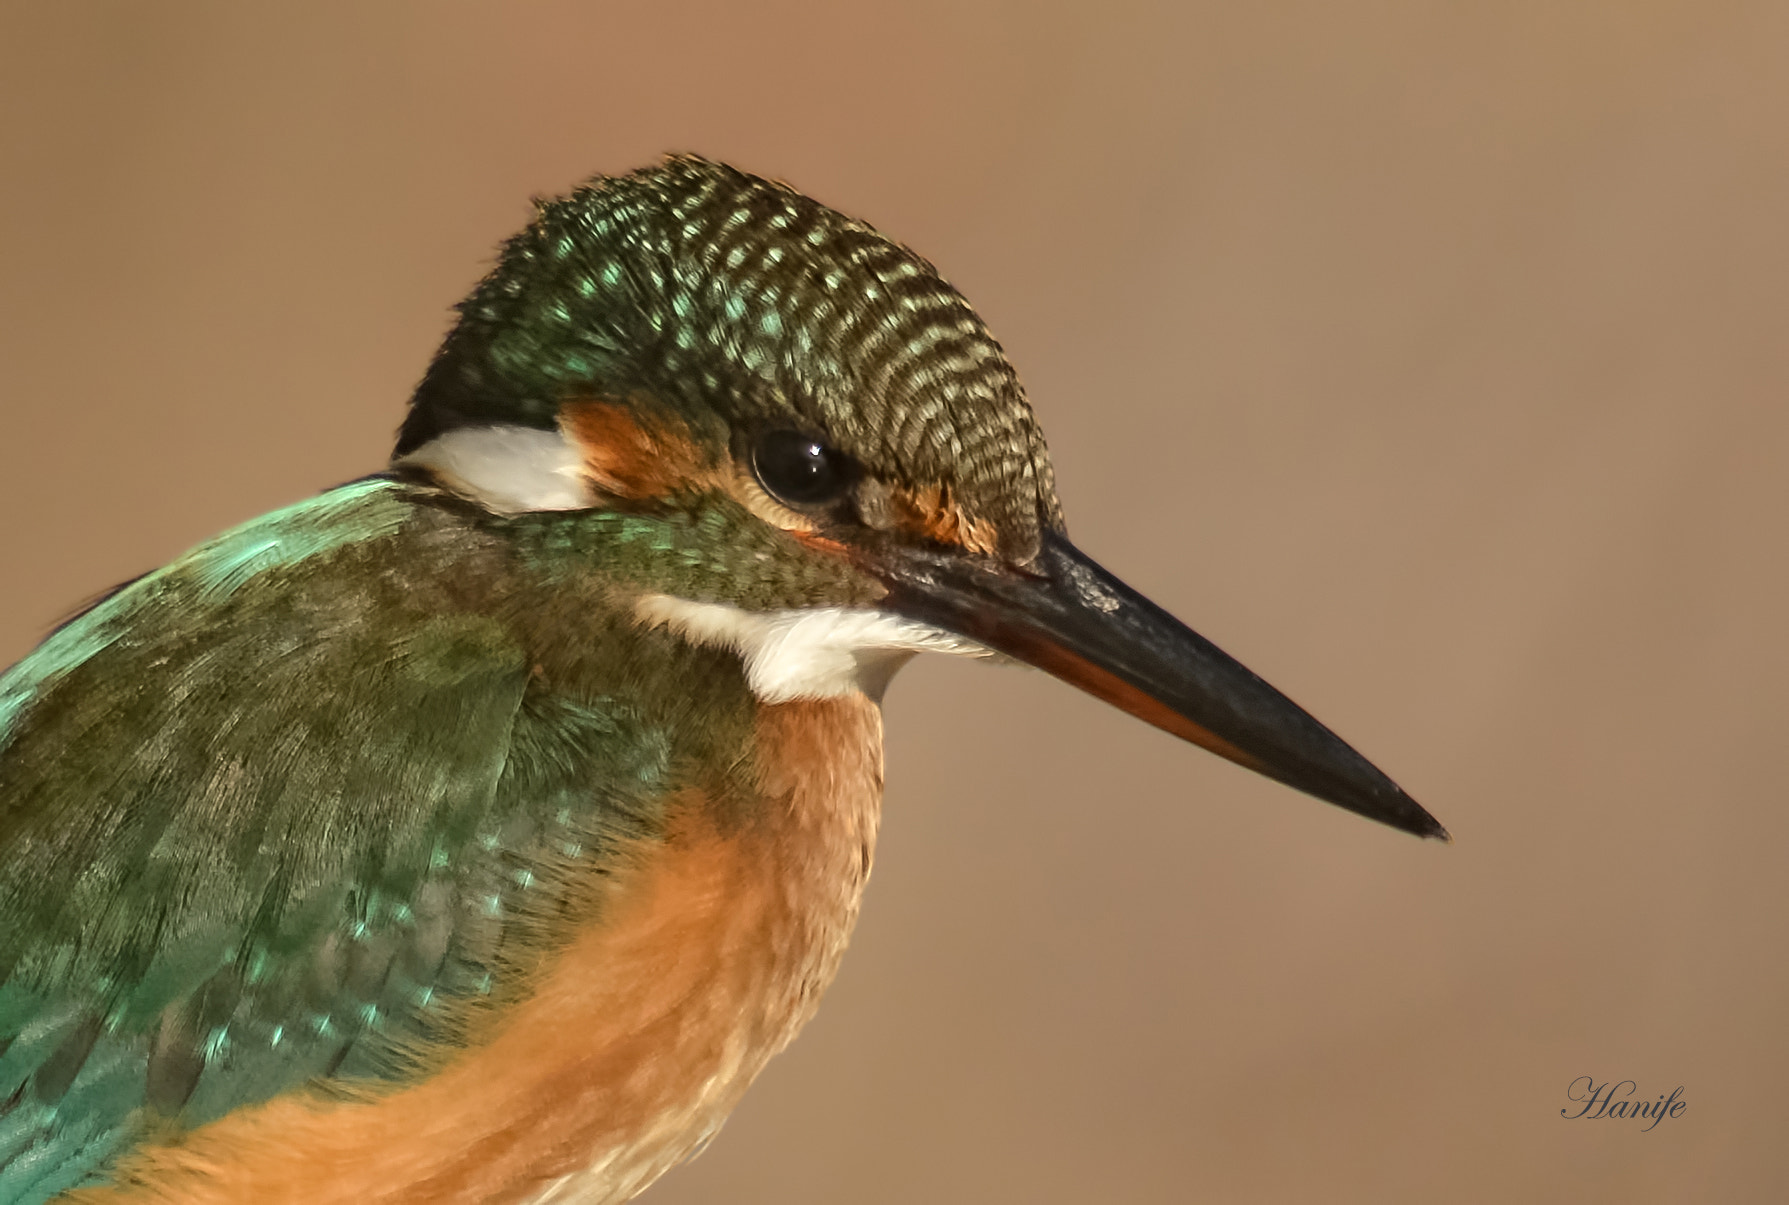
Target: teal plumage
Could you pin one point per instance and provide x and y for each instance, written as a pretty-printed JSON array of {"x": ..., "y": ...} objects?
[{"x": 278, "y": 810}]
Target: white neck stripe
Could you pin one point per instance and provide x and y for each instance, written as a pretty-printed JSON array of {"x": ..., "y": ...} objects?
[
  {"x": 507, "y": 469},
  {"x": 809, "y": 653}
]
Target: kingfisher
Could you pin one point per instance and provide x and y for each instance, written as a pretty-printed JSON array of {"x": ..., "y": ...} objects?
[{"x": 476, "y": 831}]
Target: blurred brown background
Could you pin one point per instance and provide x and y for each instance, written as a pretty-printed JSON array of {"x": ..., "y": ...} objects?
[{"x": 1429, "y": 357}]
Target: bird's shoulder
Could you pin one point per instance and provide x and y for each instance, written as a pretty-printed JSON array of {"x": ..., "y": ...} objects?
[{"x": 294, "y": 807}]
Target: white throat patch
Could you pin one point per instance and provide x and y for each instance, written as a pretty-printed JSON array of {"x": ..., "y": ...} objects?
[
  {"x": 507, "y": 469},
  {"x": 812, "y": 653}
]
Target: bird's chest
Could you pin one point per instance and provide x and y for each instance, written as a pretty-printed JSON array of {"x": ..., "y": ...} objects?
[
  {"x": 704, "y": 955},
  {"x": 715, "y": 956}
]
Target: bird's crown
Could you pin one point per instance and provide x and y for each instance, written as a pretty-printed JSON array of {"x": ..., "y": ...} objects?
[{"x": 690, "y": 314}]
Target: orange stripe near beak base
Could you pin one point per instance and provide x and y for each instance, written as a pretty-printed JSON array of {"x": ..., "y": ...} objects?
[{"x": 1102, "y": 684}]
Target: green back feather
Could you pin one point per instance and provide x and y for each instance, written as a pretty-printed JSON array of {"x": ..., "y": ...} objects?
[{"x": 294, "y": 808}]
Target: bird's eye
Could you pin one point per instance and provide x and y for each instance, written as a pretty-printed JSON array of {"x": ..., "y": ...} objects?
[{"x": 799, "y": 470}]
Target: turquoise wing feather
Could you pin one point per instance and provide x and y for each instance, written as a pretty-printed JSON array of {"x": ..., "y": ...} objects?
[{"x": 269, "y": 815}]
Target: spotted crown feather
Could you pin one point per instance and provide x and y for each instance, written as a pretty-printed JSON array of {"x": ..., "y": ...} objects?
[{"x": 736, "y": 302}]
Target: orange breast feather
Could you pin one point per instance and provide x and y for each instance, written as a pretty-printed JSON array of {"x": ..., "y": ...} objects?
[{"x": 638, "y": 1038}]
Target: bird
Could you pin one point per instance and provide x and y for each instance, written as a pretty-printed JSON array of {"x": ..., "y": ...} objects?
[{"x": 476, "y": 830}]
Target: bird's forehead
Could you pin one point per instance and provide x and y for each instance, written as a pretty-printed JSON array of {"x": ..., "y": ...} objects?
[{"x": 734, "y": 297}]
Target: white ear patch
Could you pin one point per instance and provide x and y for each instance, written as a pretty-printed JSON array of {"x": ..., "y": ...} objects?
[
  {"x": 507, "y": 469},
  {"x": 813, "y": 653}
]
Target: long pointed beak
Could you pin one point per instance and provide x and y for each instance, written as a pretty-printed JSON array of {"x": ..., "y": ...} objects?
[{"x": 1069, "y": 617}]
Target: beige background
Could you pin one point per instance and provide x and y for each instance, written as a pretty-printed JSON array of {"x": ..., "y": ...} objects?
[{"x": 1429, "y": 357}]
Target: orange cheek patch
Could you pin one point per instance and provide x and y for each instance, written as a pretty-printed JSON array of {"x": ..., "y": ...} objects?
[
  {"x": 627, "y": 458},
  {"x": 930, "y": 511},
  {"x": 626, "y": 455},
  {"x": 819, "y": 543}
]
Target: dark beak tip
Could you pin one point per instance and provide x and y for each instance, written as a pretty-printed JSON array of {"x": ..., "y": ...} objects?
[
  {"x": 1410, "y": 816},
  {"x": 1433, "y": 830},
  {"x": 1388, "y": 805}
]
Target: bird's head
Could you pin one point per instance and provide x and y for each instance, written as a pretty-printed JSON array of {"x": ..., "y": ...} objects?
[{"x": 691, "y": 340}]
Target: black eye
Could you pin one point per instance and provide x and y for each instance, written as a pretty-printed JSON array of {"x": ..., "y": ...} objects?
[{"x": 800, "y": 470}]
